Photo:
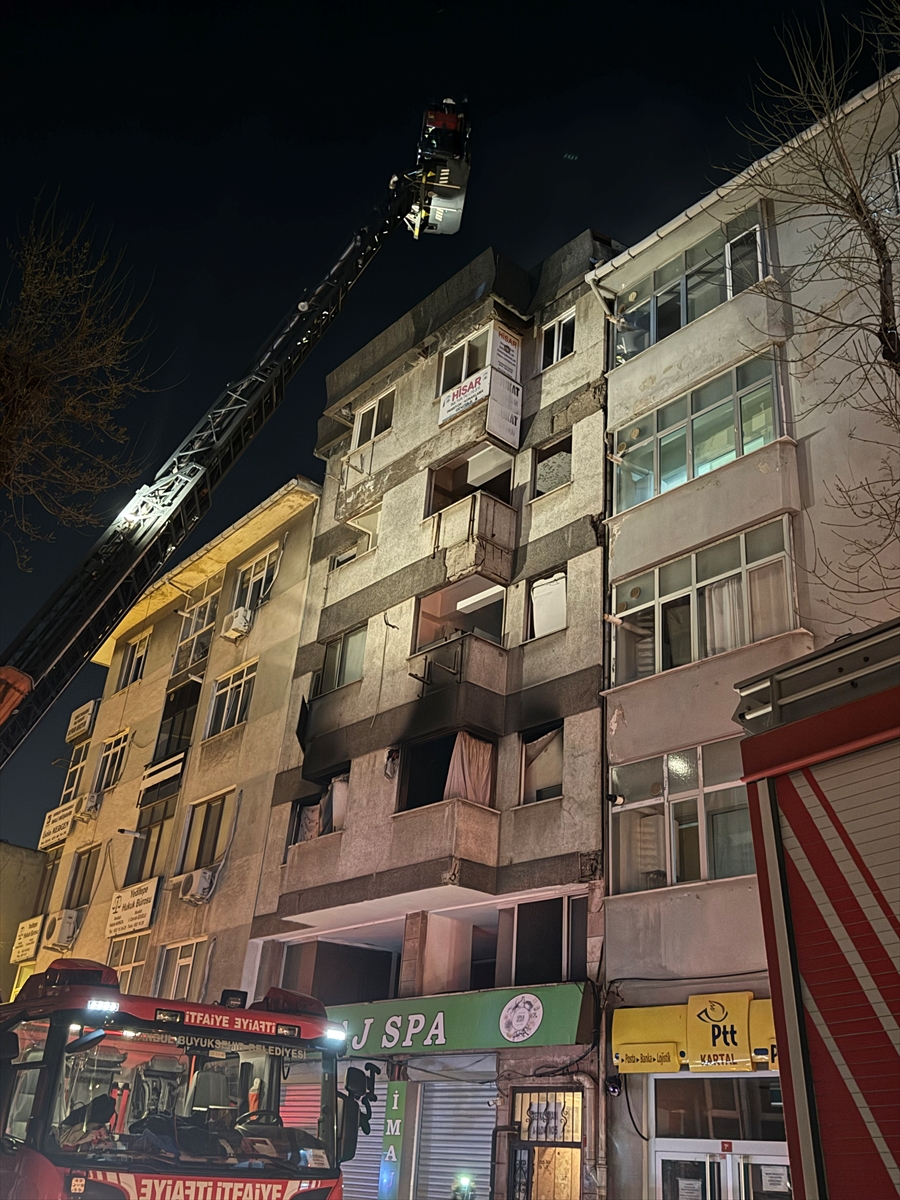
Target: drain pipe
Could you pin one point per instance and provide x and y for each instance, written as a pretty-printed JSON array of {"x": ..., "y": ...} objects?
[
  {"x": 590, "y": 1131},
  {"x": 497, "y": 1129}
]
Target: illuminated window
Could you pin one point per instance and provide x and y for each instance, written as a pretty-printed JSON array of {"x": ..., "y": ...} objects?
[{"x": 471, "y": 605}]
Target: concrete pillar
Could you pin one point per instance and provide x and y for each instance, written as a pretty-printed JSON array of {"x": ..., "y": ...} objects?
[
  {"x": 412, "y": 957},
  {"x": 448, "y": 956},
  {"x": 506, "y": 923},
  {"x": 596, "y": 927}
]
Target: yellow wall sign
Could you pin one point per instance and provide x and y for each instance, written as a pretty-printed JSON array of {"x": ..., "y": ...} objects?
[
  {"x": 723, "y": 1031},
  {"x": 718, "y": 1032}
]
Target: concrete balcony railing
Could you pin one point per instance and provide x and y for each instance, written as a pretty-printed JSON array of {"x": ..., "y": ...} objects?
[
  {"x": 464, "y": 659},
  {"x": 450, "y": 829},
  {"x": 478, "y": 534}
]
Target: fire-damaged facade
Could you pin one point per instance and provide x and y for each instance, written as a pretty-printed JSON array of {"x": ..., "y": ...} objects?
[{"x": 434, "y": 861}]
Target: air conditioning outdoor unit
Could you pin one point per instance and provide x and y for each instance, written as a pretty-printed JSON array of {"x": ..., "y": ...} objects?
[
  {"x": 61, "y": 928},
  {"x": 88, "y": 806},
  {"x": 237, "y": 624},
  {"x": 196, "y": 887}
]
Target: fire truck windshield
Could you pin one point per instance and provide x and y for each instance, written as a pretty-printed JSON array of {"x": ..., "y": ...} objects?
[{"x": 139, "y": 1099}]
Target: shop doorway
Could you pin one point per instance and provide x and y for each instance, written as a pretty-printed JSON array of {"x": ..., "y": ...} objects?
[
  {"x": 705, "y": 1175},
  {"x": 545, "y": 1160}
]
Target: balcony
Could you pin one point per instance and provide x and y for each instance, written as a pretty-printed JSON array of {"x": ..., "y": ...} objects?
[
  {"x": 478, "y": 533},
  {"x": 450, "y": 829}
]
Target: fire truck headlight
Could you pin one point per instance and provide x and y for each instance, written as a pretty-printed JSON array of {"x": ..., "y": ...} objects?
[
  {"x": 336, "y": 1034},
  {"x": 109, "y": 1006}
]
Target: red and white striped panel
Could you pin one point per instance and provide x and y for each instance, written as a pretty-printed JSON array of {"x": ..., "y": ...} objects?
[
  {"x": 840, "y": 827},
  {"x": 301, "y": 1104}
]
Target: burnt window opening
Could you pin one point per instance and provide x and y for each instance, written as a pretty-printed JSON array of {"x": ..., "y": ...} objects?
[
  {"x": 484, "y": 959},
  {"x": 336, "y": 973},
  {"x": 551, "y": 941},
  {"x": 177, "y": 724},
  {"x": 484, "y": 469},
  {"x": 542, "y": 763},
  {"x": 471, "y": 605},
  {"x": 552, "y": 466},
  {"x": 457, "y": 766},
  {"x": 314, "y": 816}
]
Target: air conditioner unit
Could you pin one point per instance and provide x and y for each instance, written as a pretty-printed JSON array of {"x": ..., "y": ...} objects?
[
  {"x": 197, "y": 887},
  {"x": 237, "y": 624},
  {"x": 88, "y": 806},
  {"x": 60, "y": 928}
]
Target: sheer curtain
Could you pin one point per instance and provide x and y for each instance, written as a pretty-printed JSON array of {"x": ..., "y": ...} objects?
[
  {"x": 469, "y": 775},
  {"x": 724, "y": 605}
]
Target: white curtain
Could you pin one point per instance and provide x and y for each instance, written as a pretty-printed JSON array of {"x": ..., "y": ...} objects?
[
  {"x": 724, "y": 615},
  {"x": 548, "y": 604},
  {"x": 768, "y": 603},
  {"x": 469, "y": 776}
]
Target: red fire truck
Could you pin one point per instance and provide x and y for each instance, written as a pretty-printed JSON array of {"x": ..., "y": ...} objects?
[
  {"x": 823, "y": 774},
  {"x": 107, "y": 1096}
]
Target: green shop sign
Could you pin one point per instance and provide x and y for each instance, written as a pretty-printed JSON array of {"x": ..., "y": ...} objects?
[{"x": 551, "y": 1015}]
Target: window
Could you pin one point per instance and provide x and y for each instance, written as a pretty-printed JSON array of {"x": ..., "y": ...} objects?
[
  {"x": 727, "y": 595},
  {"x": 693, "y": 435},
  {"x": 374, "y": 419},
  {"x": 455, "y": 767},
  {"x": 154, "y": 827},
  {"x": 197, "y": 625},
  {"x": 683, "y": 817},
  {"x": 552, "y": 466},
  {"x": 341, "y": 560},
  {"x": 128, "y": 955},
  {"x": 343, "y": 660},
  {"x": 254, "y": 583},
  {"x": 464, "y": 360},
  {"x": 177, "y": 724},
  {"x": 483, "y": 469},
  {"x": 542, "y": 765},
  {"x": 368, "y": 523},
  {"x": 75, "y": 772},
  {"x": 209, "y": 827},
  {"x": 725, "y": 263},
  {"x": 472, "y": 605},
  {"x": 336, "y": 973},
  {"x": 739, "y": 1109},
  {"x": 112, "y": 760},
  {"x": 181, "y": 971},
  {"x": 82, "y": 880},
  {"x": 547, "y": 604},
  {"x": 231, "y": 700},
  {"x": 551, "y": 941},
  {"x": 133, "y": 660},
  {"x": 48, "y": 880},
  {"x": 558, "y": 340}
]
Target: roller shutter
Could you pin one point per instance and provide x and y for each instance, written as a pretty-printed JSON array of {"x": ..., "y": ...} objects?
[
  {"x": 300, "y": 1105},
  {"x": 361, "y": 1172},
  {"x": 455, "y": 1131}
]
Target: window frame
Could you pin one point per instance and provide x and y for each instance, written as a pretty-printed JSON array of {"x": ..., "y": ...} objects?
[
  {"x": 341, "y": 642},
  {"x": 257, "y": 568},
  {"x": 657, "y": 435},
  {"x": 210, "y": 602},
  {"x": 467, "y": 369},
  {"x": 374, "y": 407},
  {"x": 75, "y": 772},
  {"x": 565, "y": 934},
  {"x": 555, "y": 327},
  {"x": 190, "y": 855},
  {"x": 148, "y": 854},
  {"x": 527, "y": 737},
  {"x": 49, "y": 874},
  {"x": 225, "y": 685},
  {"x": 537, "y": 460},
  {"x": 133, "y": 660},
  {"x": 546, "y": 577},
  {"x": 126, "y": 971},
  {"x": 191, "y": 964},
  {"x": 650, "y": 291},
  {"x": 82, "y": 877},
  {"x": 111, "y": 763},
  {"x": 669, "y": 800},
  {"x": 744, "y": 569}
]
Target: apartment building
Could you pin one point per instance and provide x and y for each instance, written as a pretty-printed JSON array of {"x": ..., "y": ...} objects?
[{"x": 152, "y": 857}]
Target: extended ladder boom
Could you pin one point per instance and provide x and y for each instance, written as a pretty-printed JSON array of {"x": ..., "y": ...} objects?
[{"x": 48, "y": 653}]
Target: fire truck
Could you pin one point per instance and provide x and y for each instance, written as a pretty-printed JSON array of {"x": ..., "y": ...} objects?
[{"x": 108, "y": 1096}]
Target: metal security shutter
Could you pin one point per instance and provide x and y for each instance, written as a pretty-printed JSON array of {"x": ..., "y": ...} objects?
[
  {"x": 361, "y": 1172},
  {"x": 455, "y": 1131}
]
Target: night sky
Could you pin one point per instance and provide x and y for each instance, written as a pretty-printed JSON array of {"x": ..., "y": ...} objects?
[{"x": 231, "y": 150}]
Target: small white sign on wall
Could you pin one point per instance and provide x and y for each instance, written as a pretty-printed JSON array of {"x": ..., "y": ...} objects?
[
  {"x": 132, "y": 908},
  {"x": 27, "y": 940},
  {"x": 464, "y": 395},
  {"x": 57, "y": 823},
  {"x": 506, "y": 351}
]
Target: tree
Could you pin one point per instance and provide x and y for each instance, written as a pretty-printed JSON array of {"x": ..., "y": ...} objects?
[
  {"x": 67, "y": 367},
  {"x": 835, "y": 175}
]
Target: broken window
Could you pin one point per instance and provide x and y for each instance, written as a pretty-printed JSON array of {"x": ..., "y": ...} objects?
[
  {"x": 542, "y": 755},
  {"x": 464, "y": 360},
  {"x": 374, "y": 419},
  {"x": 547, "y": 607},
  {"x": 457, "y": 766},
  {"x": 552, "y": 466},
  {"x": 484, "y": 469},
  {"x": 471, "y": 605},
  {"x": 177, "y": 724}
]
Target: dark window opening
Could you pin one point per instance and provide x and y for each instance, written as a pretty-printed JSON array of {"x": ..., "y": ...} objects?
[
  {"x": 83, "y": 877},
  {"x": 543, "y": 764},
  {"x": 177, "y": 725},
  {"x": 484, "y": 958},
  {"x": 539, "y": 942},
  {"x": 735, "y": 1109},
  {"x": 425, "y": 771},
  {"x": 577, "y": 939},
  {"x": 487, "y": 469},
  {"x": 48, "y": 880},
  {"x": 154, "y": 825},
  {"x": 339, "y": 974}
]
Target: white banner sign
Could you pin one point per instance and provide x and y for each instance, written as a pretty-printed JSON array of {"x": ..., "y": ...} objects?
[
  {"x": 81, "y": 721},
  {"x": 505, "y": 351},
  {"x": 504, "y": 412},
  {"x": 132, "y": 908},
  {"x": 57, "y": 824},
  {"x": 27, "y": 938},
  {"x": 464, "y": 395}
]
